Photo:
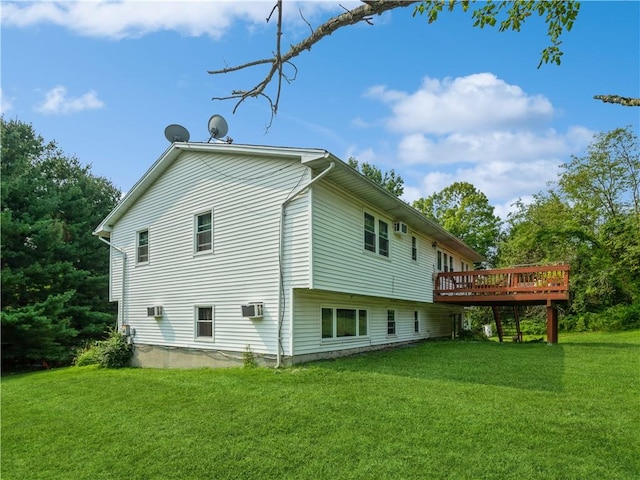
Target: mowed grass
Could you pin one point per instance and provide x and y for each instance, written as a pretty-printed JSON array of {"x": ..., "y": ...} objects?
[{"x": 455, "y": 410}]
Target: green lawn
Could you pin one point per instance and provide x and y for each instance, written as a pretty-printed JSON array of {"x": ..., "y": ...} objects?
[{"x": 444, "y": 409}]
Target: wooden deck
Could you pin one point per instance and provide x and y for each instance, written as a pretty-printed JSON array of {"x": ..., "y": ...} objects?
[
  {"x": 531, "y": 285},
  {"x": 534, "y": 285}
]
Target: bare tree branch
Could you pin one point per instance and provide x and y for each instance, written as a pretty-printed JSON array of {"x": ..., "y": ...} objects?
[
  {"x": 350, "y": 17},
  {"x": 626, "y": 101}
]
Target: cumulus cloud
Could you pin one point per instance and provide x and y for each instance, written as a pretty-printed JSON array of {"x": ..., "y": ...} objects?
[
  {"x": 478, "y": 129},
  {"x": 478, "y": 102},
  {"x": 117, "y": 19},
  {"x": 497, "y": 145},
  {"x": 56, "y": 102}
]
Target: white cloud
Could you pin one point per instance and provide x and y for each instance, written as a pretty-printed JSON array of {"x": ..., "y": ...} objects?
[
  {"x": 475, "y": 103},
  {"x": 56, "y": 102},
  {"x": 117, "y": 19},
  {"x": 481, "y": 147},
  {"x": 5, "y": 103},
  {"x": 477, "y": 129}
]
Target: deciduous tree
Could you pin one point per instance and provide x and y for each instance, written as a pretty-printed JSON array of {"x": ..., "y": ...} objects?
[
  {"x": 589, "y": 218},
  {"x": 466, "y": 212},
  {"x": 390, "y": 181}
]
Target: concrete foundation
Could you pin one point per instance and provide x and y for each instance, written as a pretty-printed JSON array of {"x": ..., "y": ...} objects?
[{"x": 158, "y": 356}]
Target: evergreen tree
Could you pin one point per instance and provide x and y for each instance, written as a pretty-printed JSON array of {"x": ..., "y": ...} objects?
[{"x": 54, "y": 272}]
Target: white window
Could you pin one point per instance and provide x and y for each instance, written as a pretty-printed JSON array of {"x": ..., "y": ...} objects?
[
  {"x": 391, "y": 322},
  {"x": 416, "y": 322},
  {"x": 376, "y": 231},
  {"x": 439, "y": 260},
  {"x": 369, "y": 232},
  {"x": 204, "y": 323},
  {"x": 414, "y": 248},
  {"x": 204, "y": 232},
  {"x": 142, "y": 246},
  {"x": 383, "y": 238},
  {"x": 344, "y": 322}
]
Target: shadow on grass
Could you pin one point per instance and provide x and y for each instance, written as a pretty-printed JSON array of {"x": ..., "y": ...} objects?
[
  {"x": 534, "y": 366},
  {"x": 604, "y": 345}
]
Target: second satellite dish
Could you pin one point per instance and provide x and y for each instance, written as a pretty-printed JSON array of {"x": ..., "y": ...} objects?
[
  {"x": 218, "y": 126},
  {"x": 176, "y": 133}
]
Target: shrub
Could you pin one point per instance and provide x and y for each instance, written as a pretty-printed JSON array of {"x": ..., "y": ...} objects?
[
  {"x": 87, "y": 355},
  {"x": 113, "y": 352},
  {"x": 618, "y": 317},
  {"x": 249, "y": 358}
]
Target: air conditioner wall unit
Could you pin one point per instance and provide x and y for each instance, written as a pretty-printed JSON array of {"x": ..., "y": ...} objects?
[
  {"x": 154, "y": 312},
  {"x": 253, "y": 310},
  {"x": 400, "y": 227}
]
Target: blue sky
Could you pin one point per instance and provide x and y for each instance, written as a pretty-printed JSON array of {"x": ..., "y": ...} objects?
[{"x": 438, "y": 103}]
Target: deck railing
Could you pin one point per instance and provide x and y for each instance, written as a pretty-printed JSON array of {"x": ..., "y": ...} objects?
[{"x": 534, "y": 282}]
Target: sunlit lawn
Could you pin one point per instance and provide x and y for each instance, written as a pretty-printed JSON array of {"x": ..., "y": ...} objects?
[{"x": 437, "y": 410}]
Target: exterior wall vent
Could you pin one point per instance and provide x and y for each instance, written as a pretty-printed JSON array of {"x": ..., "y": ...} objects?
[{"x": 253, "y": 310}]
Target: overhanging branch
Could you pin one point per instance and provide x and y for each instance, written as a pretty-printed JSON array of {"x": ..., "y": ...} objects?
[
  {"x": 626, "y": 101},
  {"x": 349, "y": 17}
]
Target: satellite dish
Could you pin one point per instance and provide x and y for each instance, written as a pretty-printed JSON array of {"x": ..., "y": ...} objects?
[
  {"x": 176, "y": 133},
  {"x": 218, "y": 126}
]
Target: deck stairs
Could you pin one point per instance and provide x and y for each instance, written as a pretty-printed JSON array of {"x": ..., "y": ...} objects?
[{"x": 507, "y": 323}]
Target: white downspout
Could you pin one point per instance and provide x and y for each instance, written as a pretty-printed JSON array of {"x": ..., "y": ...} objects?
[
  {"x": 124, "y": 271},
  {"x": 280, "y": 257}
]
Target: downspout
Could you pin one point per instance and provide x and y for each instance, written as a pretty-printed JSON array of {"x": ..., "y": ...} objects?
[
  {"x": 124, "y": 271},
  {"x": 280, "y": 257}
]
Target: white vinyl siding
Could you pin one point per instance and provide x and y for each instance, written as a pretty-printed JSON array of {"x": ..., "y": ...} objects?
[
  {"x": 245, "y": 195},
  {"x": 313, "y": 317},
  {"x": 342, "y": 263}
]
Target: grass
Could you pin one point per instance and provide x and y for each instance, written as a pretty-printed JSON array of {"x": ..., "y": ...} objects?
[{"x": 457, "y": 410}]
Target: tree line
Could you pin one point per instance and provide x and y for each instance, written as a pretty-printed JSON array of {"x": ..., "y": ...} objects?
[{"x": 55, "y": 273}]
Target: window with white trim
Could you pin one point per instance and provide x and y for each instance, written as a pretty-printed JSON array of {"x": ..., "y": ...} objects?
[
  {"x": 383, "y": 238},
  {"x": 204, "y": 232},
  {"x": 204, "y": 323},
  {"x": 142, "y": 246},
  {"x": 414, "y": 249},
  {"x": 344, "y": 322},
  {"x": 439, "y": 255},
  {"x": 369, "y": 232},
  {"x": 376, "y": 235},
  {"x": 416, "y": 322},
  {"x": 391, "y": 322}
]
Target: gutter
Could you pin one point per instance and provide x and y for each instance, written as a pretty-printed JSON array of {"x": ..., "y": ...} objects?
[
  {"x": 281, "y": 299},
  {"x": 124, "y": 271}
]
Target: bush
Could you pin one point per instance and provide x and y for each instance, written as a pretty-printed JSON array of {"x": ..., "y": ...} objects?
[
  {"x": 113, "y": 352},
  {"x": 87, "y": 355},
  {"x": 618, "y": 317}
]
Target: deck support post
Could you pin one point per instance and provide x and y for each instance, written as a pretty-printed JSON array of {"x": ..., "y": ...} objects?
[
  {"x": 552, "y": 323},
  {"x": 498, "y": 320}
]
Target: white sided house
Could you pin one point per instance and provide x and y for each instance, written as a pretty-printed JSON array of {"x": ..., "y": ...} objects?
[{"x": 288, "y": 253}]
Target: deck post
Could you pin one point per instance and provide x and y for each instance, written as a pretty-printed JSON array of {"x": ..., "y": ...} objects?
[{"x": 552, "y": 323}]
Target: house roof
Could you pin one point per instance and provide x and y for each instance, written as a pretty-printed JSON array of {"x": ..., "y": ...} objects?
[{"x": 342, "y": 175}]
